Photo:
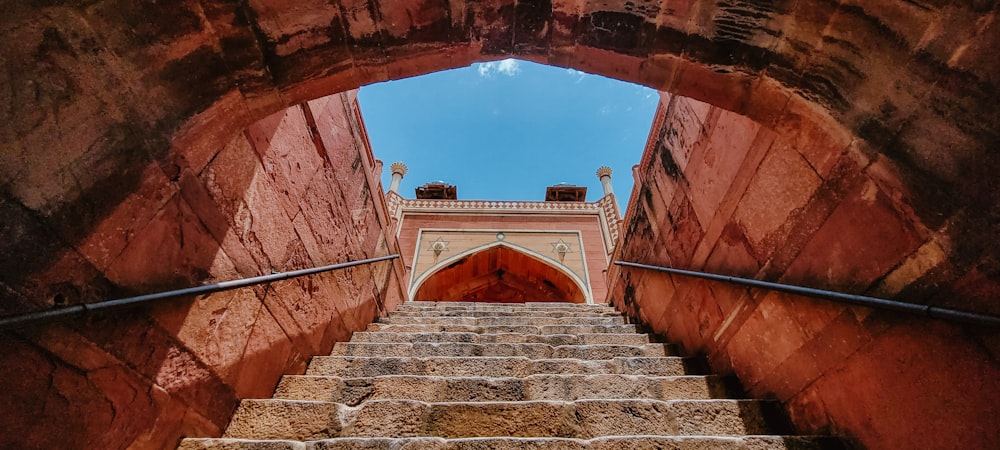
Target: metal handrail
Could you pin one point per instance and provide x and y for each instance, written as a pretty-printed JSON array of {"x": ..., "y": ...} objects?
[
  {"x": 25, "y": 319},
  {"x": 863, "y": 300}
]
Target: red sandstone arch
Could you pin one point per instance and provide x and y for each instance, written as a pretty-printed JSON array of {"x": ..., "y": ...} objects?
[
  {"x": 107, "y": 105},
  {"x": 906, "y": 83},
  {"x": 499, "y": 274}
]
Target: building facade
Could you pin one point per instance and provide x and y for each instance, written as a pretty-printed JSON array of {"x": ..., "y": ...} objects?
[{"x": 509, "y": 251}]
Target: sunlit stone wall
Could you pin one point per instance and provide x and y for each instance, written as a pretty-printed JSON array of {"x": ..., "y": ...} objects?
[
  {"x": 720, "y": 193},
  {"x": 295, "y": 190}
]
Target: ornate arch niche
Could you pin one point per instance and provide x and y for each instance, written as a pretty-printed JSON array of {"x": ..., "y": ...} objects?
[{"x": 499, "y": 273}]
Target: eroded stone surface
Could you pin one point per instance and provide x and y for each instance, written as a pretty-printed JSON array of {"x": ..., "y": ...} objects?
[
  {"x": 351, "y": 391},
  {"x": 528, "y": 350},
  {"x": 505, "y": 320},
  {"x": 353, "y": 366},
  {"x": 461, "y": 402},
  {"x": 602, "y": 443},
  {"x": 551, "y": 339},
  {"x": 493, "y": 329},
  {"x": 805, "y": 208},
  {"x": 210, "y": 215},
  {"x": 305, "y": 420}
]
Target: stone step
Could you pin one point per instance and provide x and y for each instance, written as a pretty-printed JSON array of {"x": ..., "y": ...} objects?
[
  {"x": 502, "y": 320},
  {"x": 498, "y": 329},
  {"x": 488, "y": 305},
  {"x": 751, "y": 442},
  {"x": 498, "y": 367},
  {"x": 505, "y": 310},
  {"x": 581, "y": 419},
  {"x": 503, "y": 313},
  {"x": 475, "y": 338},
  {"x": 528, "y": 350},
  {"x": 449, "y": 375},
  {"x": 353, "y": 391}
]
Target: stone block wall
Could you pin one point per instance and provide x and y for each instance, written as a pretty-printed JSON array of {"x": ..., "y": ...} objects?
[
  {"x": 720, "y": 193},
  {"x": 294, "y": 190}
]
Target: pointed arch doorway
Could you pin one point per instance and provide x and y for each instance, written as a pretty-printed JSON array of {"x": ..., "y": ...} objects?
[{"x": 500, "y": 274}]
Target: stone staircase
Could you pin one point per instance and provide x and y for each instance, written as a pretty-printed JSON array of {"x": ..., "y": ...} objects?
[{"x": 503, "y": 376}]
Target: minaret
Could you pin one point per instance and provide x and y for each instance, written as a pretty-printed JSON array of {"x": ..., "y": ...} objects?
[
  {"x": 398, "y": 170},
  {"x": 604, "y": 173}
]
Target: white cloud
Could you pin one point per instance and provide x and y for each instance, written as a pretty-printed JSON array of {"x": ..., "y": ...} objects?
[
  {"x": 576, "y": 74},
  {"x": 508, "y": 67}
]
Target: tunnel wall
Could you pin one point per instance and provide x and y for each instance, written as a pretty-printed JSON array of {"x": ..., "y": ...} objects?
[
  {"x": 296, "y": 189},
  {"x": 720, "y": 193}
]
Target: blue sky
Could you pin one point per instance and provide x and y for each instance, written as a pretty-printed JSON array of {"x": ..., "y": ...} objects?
[{"x": 505, "y": 130}]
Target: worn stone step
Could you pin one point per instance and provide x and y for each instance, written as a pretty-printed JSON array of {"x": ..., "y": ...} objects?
[
  {"x": 582, "y": 419},
  {"x": 503, "y": 313},
  {"x": 487, "y": 305},
  {"x": 501, "y": 329},
  {"x": 475, "y": 338},
  {"x": 497, "y": 329},
  {"x": 752, "y": 442},
  {"x": 504, "y": 307},
  {"x": 507, "y": 310},
  {"x": 502, "y": 320},
  {"x": 528, "y": 350},
  {"x": 362, "y": 366},
  {"x": 353, "y": 391}
]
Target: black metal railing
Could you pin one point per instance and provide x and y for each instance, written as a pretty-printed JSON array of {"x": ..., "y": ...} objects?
[
  {"x": 863, "y": 300},
  {"x": 29, "y": 318}
]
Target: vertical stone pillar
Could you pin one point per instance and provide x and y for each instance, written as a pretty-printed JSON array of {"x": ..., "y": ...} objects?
[
  {"x": 604, "y": 173},
  {"x": 398, "y": 170}
]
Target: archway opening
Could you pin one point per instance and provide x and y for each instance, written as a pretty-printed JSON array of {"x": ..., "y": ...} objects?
[{"x": 500, "y": 274}]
